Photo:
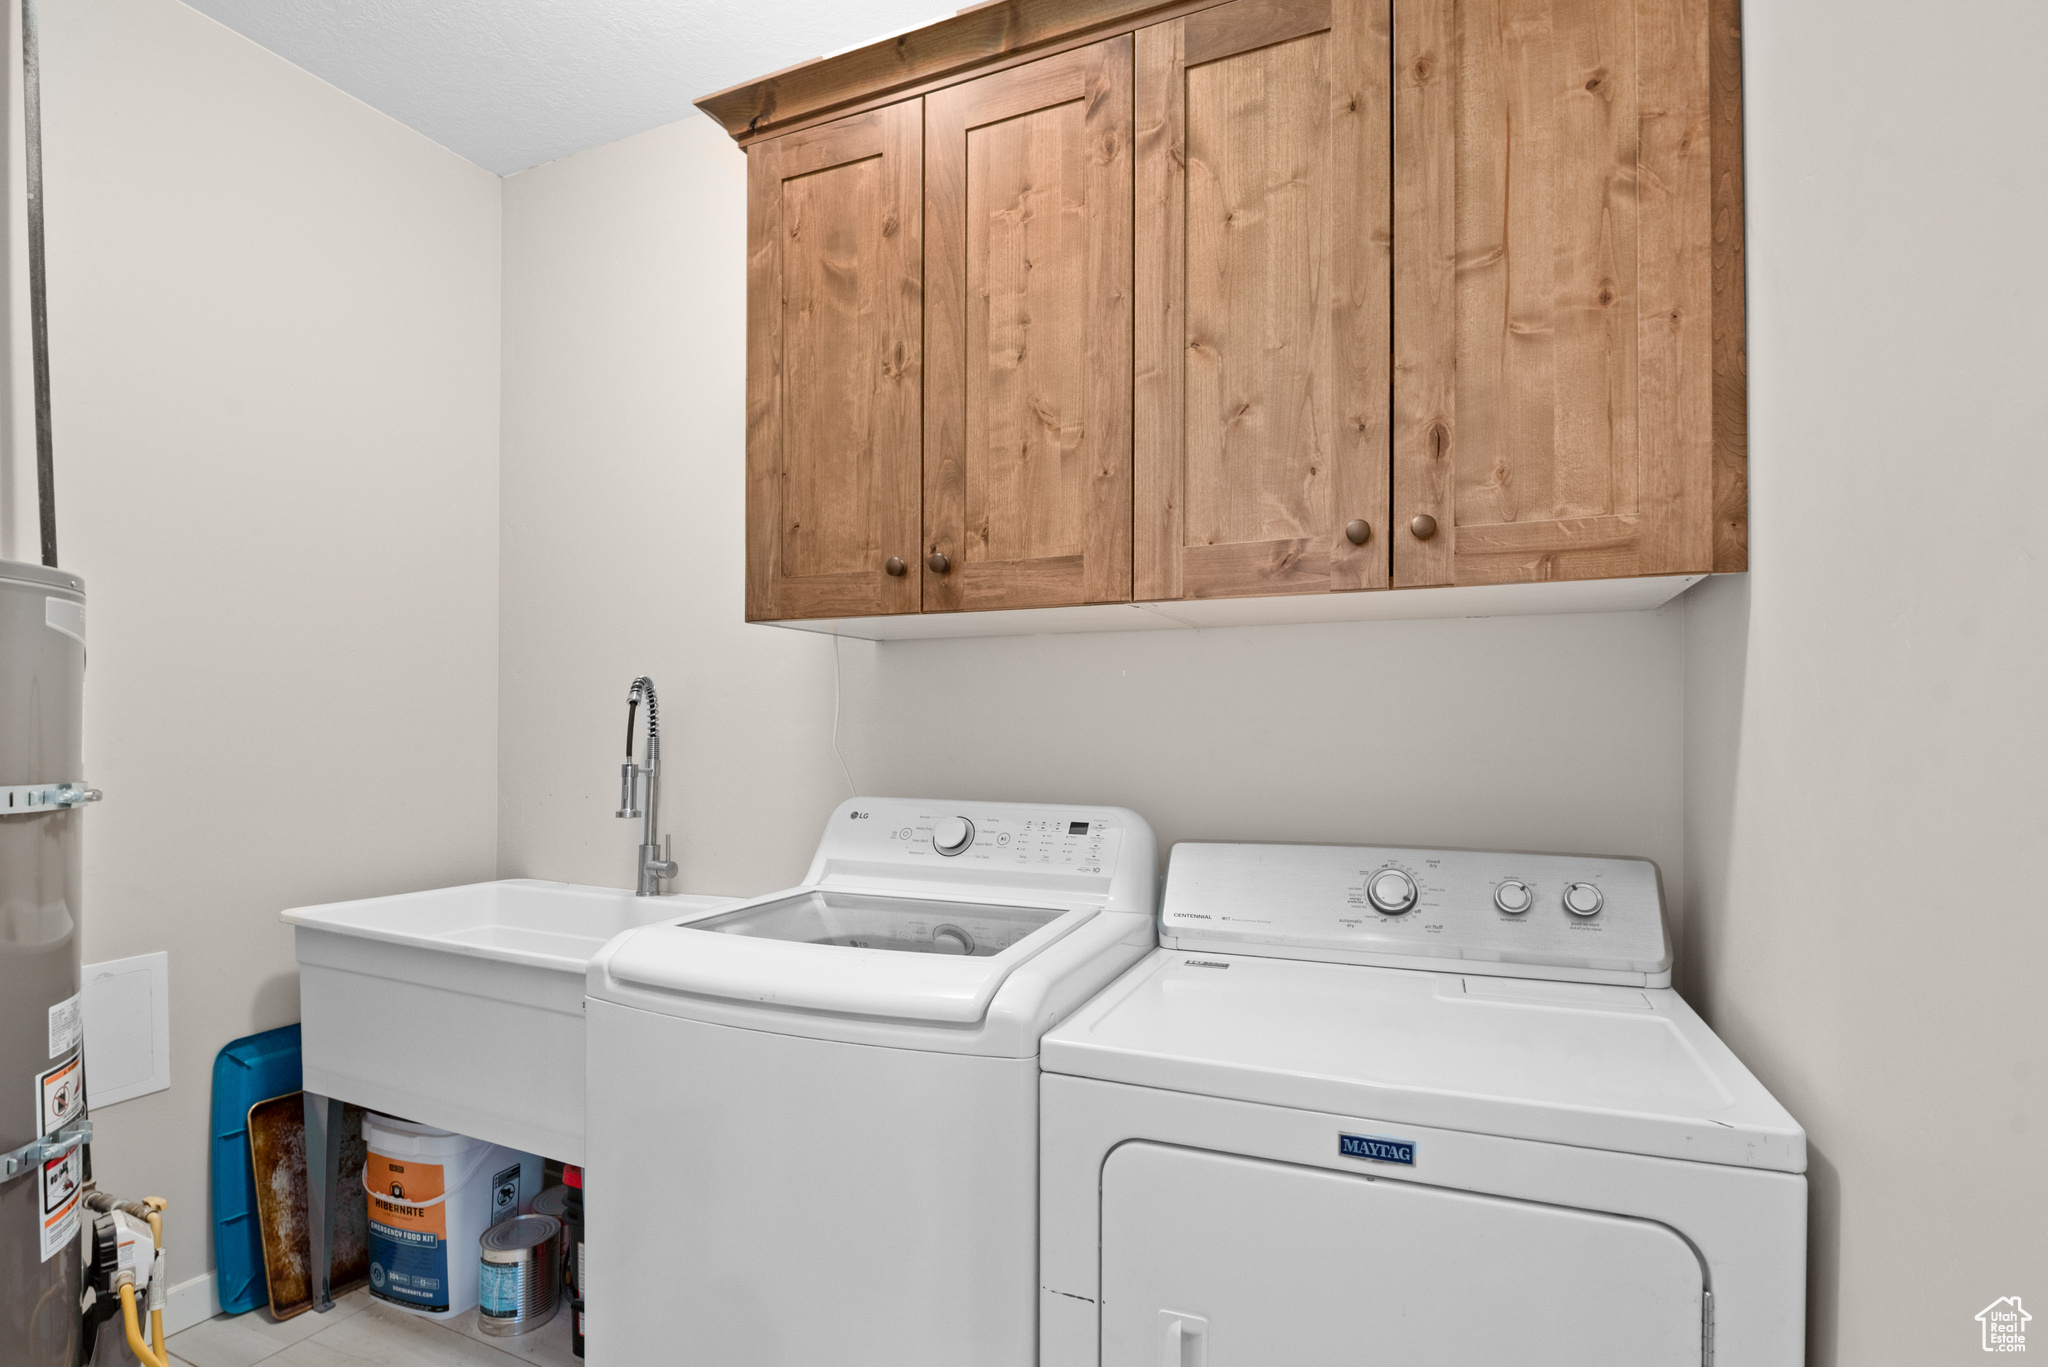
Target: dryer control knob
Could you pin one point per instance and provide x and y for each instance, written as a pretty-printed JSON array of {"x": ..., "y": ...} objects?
[
  {"x": 952, "y": 835},
  {"x": 1391, "y": 891},
  {"x": 1513, "y": 897},
  {"x": 1583, "y": 899}
]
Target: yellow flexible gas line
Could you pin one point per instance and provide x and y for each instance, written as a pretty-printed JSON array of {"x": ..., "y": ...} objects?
[
  {"x": 134, "y": 1328},
  {"x": 157, "y": 1206}
]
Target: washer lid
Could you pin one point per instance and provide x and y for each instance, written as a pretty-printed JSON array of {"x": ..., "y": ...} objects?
[
  {"x": 817, "y": 949},
  {"x": 1629, "y": 1069}
]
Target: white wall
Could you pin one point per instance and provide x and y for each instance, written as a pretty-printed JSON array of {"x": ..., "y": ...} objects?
[
  {"x": 1866, "y": 816},
  {"x": 1545, "y": 733},
  {"x": 274, "y": 347},
  {"x": 622, "y": 550}
]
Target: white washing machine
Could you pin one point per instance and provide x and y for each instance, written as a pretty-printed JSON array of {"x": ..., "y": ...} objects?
[
  {"x": 813, "y": 1117},
  {"x": 1425, "y": 1107}
]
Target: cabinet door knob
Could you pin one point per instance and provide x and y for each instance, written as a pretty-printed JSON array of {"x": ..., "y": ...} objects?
[
  {"x": 937, "y": 562},
  {"x": 896, "y": 567},
  {"x": 1424, "y": 526},
  {"x": 1358, "y": 531}
]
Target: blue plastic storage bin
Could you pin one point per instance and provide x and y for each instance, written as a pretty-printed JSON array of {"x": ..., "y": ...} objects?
[{"x": 248, "y": 1071}]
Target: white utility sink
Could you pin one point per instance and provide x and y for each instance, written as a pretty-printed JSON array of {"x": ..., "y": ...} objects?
[{"x": 463, "y": 1007}]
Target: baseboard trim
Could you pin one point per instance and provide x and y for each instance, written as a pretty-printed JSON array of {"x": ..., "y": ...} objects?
[{"x": 190, "y": 1303}]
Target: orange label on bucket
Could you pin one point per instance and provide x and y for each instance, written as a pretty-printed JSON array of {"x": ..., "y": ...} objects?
[
  {"x": 408, "y": 1232},
  {"x": 398, "y": 1186}
]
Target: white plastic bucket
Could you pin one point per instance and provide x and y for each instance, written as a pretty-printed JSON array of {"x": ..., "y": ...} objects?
[{"x": 431, "y": 1195}]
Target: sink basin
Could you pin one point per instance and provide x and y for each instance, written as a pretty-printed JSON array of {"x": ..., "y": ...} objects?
[
  {"x": 463, "y": 1007},
  {"x": 518, "y": 920}
]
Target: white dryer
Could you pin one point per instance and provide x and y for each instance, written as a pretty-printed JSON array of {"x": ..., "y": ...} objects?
[
  {"x": 1425, "y": 1107},
  {"x": 813, "y": 1117}
]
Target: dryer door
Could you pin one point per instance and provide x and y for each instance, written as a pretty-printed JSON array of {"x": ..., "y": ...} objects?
[{"x": 1210, "y": 1260}]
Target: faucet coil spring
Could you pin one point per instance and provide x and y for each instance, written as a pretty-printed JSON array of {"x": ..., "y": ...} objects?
[{"x": 653, "y": 866}]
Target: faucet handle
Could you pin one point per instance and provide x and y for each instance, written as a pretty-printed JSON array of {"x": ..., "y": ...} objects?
[
  {"x": 626, "y": 775},
  {"x": 664, "y": 867}
]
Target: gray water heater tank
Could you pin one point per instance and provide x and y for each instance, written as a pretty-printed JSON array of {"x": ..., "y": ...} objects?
[{"x": 42, "y": 680}]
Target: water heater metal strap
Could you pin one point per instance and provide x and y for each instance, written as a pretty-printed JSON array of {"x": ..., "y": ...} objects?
[
  {"x": 37, "y": 1152},
  {"x": 44, "y": 797}
]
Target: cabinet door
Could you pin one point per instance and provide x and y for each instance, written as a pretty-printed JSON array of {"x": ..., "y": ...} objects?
[
  {"x": 1556, "y": 297},
  {"x": 834, "y": 367},
  {"x": 1262, "y": 333},
  {"x": 1027, "y": 481}
]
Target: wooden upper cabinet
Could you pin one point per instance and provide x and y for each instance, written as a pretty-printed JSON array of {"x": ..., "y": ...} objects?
[
  {"x": 1262, "y": 335},
  {"x": 1027, "y": 451},
  {"x": 1063, "y": 302},
  {"x": 835, "y": 321},
  {"x": 1568, "y": 298}
]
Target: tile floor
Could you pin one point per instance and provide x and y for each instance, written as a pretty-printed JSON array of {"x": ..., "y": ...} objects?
[{"x": 362, "y": 1332}]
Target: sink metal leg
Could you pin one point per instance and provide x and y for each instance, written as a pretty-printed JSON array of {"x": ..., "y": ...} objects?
[{"x": 323, "y": 1180}]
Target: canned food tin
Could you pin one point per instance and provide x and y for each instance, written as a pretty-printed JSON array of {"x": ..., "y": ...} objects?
[{"x": 520, "y": 1282}]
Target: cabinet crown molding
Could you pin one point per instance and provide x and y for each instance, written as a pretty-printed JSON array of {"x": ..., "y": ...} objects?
[{"x": 976, "y": 38}]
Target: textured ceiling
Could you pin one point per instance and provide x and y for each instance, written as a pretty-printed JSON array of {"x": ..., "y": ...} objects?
[{"x": 513, "y": 83}]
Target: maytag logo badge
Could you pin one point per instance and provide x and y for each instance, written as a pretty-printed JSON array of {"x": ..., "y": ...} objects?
[{"x": 1376, "y": 1148}]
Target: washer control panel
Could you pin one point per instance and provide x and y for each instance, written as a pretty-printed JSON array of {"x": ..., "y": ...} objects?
[
  {"x": 1534, "y": 915},
  {"x": 974, "y": 839}
]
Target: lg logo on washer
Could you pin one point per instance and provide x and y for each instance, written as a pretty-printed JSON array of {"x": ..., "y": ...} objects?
[{"x": 1376, "y": 1148}]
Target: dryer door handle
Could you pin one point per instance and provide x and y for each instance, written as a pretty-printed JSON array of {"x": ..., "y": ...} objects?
[{"x": 1183, "y": 1340}]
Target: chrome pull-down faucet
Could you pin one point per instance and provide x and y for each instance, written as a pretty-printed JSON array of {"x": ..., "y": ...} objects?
[{"x": 637, "y": 791}]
